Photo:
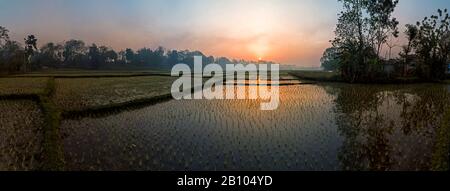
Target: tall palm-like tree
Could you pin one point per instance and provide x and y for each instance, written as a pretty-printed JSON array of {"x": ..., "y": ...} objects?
[{"x": 30, "y": 48}]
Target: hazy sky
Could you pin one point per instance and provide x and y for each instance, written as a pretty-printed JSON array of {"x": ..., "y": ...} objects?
[{"x": 286, "y": 31}]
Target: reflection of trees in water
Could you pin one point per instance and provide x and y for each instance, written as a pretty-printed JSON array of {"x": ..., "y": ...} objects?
[
  {"x": 375, "y": 119},
  {"x": 426, "y": 110}
]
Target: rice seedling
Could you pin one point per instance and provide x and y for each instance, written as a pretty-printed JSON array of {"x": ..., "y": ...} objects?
[
  {"x": 86, "y": 93},
  {"x": 21, "y": 135},
  {"x": 317, "y": 127},
  {"x": 327, "y": 127},
  {"x": 22, "y": 86}
]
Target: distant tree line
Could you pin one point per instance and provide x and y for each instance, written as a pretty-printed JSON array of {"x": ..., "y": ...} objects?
[
  {"x": 17, "y": 58},
  {"x": 365, "y": 27}
]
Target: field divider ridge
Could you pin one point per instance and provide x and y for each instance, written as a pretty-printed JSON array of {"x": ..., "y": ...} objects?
[
  {"x": 33, "y": 97},
  {"x": 53, "y": 155},
  {"x": 109, "y": 109},
  {"x": 441, "y": 148}
]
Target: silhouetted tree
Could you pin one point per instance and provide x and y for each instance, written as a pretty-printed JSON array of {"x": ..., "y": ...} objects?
[
  {"x": 222, "y": 61},
  {"x": 330, "y": 59},
  {"x": 411, "y": 33},
  {"x": 209, "y": 60},
  {"x": 12, "y": 57},
  {"x": 94, "y": 57},
  {"x": 4, "y": 37},
  {"x": 144, "y": 57},
  {"x": 432, "y": 45},
  {"x": 30, "y": 48},
  {"x": 172, "y": 58},
  {"x": 101, "y": 56},
  {"x": 51, "y": 55},
  {"x": 74, "y": 51},
  {"x": 109, "y": 54},
  {"x": 363, "y": 27},
  {"x": 129, "y": 55},
  {"x": 74, "y": 54},
  {"x": 381, "y": 23}
]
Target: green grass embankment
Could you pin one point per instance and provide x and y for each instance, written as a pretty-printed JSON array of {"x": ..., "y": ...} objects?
[
  {"x": 440, "y": 158},
  {"x": 53, "y": 155}
]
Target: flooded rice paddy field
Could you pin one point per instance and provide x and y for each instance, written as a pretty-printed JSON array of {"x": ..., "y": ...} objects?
[
  {"x": 316, "y": 127},
  {"x": 21, "y": 135},
  {"x": 19, "y": 86},
  {"x": 84, "y": 93}
]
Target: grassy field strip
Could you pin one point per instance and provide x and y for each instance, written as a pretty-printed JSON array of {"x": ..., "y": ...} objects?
[
  {"x": 441, "y": 149},
  {"x": 53, "y": 153}
]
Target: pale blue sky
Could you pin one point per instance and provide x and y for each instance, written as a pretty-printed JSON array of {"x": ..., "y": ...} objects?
[{"x": 287, "y": 31}]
